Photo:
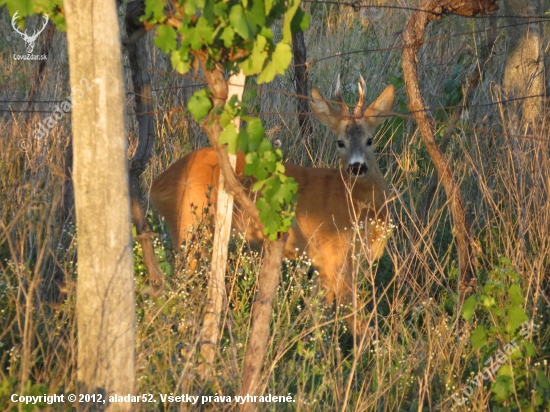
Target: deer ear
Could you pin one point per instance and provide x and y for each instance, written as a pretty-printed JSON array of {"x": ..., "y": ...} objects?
[
  {"x": 375, "y": 113},
  {"x": 324, "y": 111}
]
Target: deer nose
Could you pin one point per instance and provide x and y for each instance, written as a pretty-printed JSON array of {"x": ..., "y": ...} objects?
[{"x": 357, "y": 168}]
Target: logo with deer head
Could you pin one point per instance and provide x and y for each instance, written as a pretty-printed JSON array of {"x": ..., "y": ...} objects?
[{"x": 30, "y": 40}]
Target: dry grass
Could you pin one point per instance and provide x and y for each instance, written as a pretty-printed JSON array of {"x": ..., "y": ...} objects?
[{"x": 421, "y": 352}]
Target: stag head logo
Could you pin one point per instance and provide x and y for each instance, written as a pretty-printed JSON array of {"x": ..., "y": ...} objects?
[{"x": 30, "y": 41}]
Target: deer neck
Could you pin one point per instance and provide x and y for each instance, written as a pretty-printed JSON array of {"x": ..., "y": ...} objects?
[{"x": 369, "y": 191}]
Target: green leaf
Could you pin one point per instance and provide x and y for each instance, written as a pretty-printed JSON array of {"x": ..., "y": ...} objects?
[
  {"x": 256, "y": 134},
  {"x": 398, "y": 82},
  {"x": 487, "y": 301},
  {"x": 478, "y": 337},
  {"x": 300, "y": 21},
  {"x": 24, "y": 7},
  {"x": 154, "y": 11},
  {"x": 289, "y": 16},
  {"x": 271, "y": 192},
  {"x": 450, "y": 85},
  {"x": 229, "y": 136},
  {"x": 530, "y": 350},
  {"x": 514, "y": 293},
  {"x": 166, "y": 268},
  {"x": 165, "y": 38},
  {"x": 244, "y": 141},
  {"x": 255, "y": 62},
  {"x": 220, "y": 9},
  {"x": 516, "y": 316},
  {"x": 267, "y": 33},
  {"x": 186, "y": 35},
  {"x": 179, "y": 62},
  {"x": 516, "y": 354},
  {"x": 257, "y": 186},
  {"x": 502, "y": 388},
  {"x": 265, "y": 150},
  {"x": 279, "y": 62},
  {"x": 288, "y": 190},
  {"x": 239, "y": 22},
  {"x": 189, "y": 7},
  {"x": 255, "y": 15},
  {"x": 231, "y": 110},
  {"x": 228, "y": 34},
  {"x": 268, "y": 218},
  {"x": 201, "y": 35},
  {"x": 505, "y": 370},
  {"x": 468, "y": 307},
  {"x": 208, "y": 12},
  {"x": 542, "y": 379},
  {"x": 268, "y": 6},
  {"x": 225, "y": 119},
  {"x": 252, "y": 167},
  {"x": 199, "y": 104}
]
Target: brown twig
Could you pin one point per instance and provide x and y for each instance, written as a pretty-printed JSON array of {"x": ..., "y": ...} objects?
[
  {"x": 256, "y": 350},
  {"x": 484, "y": 56},
  {"x": 413, "y": 35}
]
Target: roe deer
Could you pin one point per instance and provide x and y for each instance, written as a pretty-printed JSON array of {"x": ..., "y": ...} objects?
[{"x": 330, "y": 201}]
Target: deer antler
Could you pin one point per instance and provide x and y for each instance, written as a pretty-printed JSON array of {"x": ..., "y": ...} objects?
[
  {"x": 362, "y": 87},
  {"x": 343, "y": 107}
]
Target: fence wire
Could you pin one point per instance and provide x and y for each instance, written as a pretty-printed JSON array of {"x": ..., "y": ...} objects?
[{"x": 357, "y": 6}]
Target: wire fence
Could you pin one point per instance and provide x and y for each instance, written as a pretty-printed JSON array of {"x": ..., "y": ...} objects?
[{"x": 357, "y": 7}]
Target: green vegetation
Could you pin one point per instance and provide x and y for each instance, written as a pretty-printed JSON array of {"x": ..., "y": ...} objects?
[{"x": 237, "y": 36}]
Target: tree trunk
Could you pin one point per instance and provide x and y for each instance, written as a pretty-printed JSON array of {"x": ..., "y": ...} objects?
[
  {"x": 210, "y": 331},
  {"x": 299, "y": 52},
  {"x": 262, "y": 309},
  {"x": 137, "y": 56},
  {"x": 105, "y": 288},
  {"x": 524, "y": 71}
]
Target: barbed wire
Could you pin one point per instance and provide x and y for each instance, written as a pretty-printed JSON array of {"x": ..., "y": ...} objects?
[
  {"x": 24, "y": 111},
  {"x": 541, "y": 18},
  {"x": 403, "y": 46},
  {"x": 357, "y": 6},
  {"x": 31, "y": 101},
  {"x": 406, "y": 115},
  {"x": 263, "y": 89},
  {"x": 335, "y": 55}
]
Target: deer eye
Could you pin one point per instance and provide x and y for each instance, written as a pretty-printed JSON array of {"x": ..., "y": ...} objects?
[
  {"x": 341, "y": 144},
  {"x": 369, "y": 142}
]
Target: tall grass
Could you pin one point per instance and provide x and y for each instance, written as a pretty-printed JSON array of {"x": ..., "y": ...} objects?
[{"x": 419, "y": 353}]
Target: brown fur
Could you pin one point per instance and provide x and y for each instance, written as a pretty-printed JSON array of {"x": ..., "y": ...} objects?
[{"x": 330, "y": 201}]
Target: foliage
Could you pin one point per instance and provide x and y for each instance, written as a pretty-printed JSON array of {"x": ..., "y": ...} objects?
[
  {"x": 26, "y": 8},
  {"x": 8, "y": 388},
  {"x": 237, "y": 35},
  {"x": 279, "y": 192},
  {"x": 504, "y": 336}
]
